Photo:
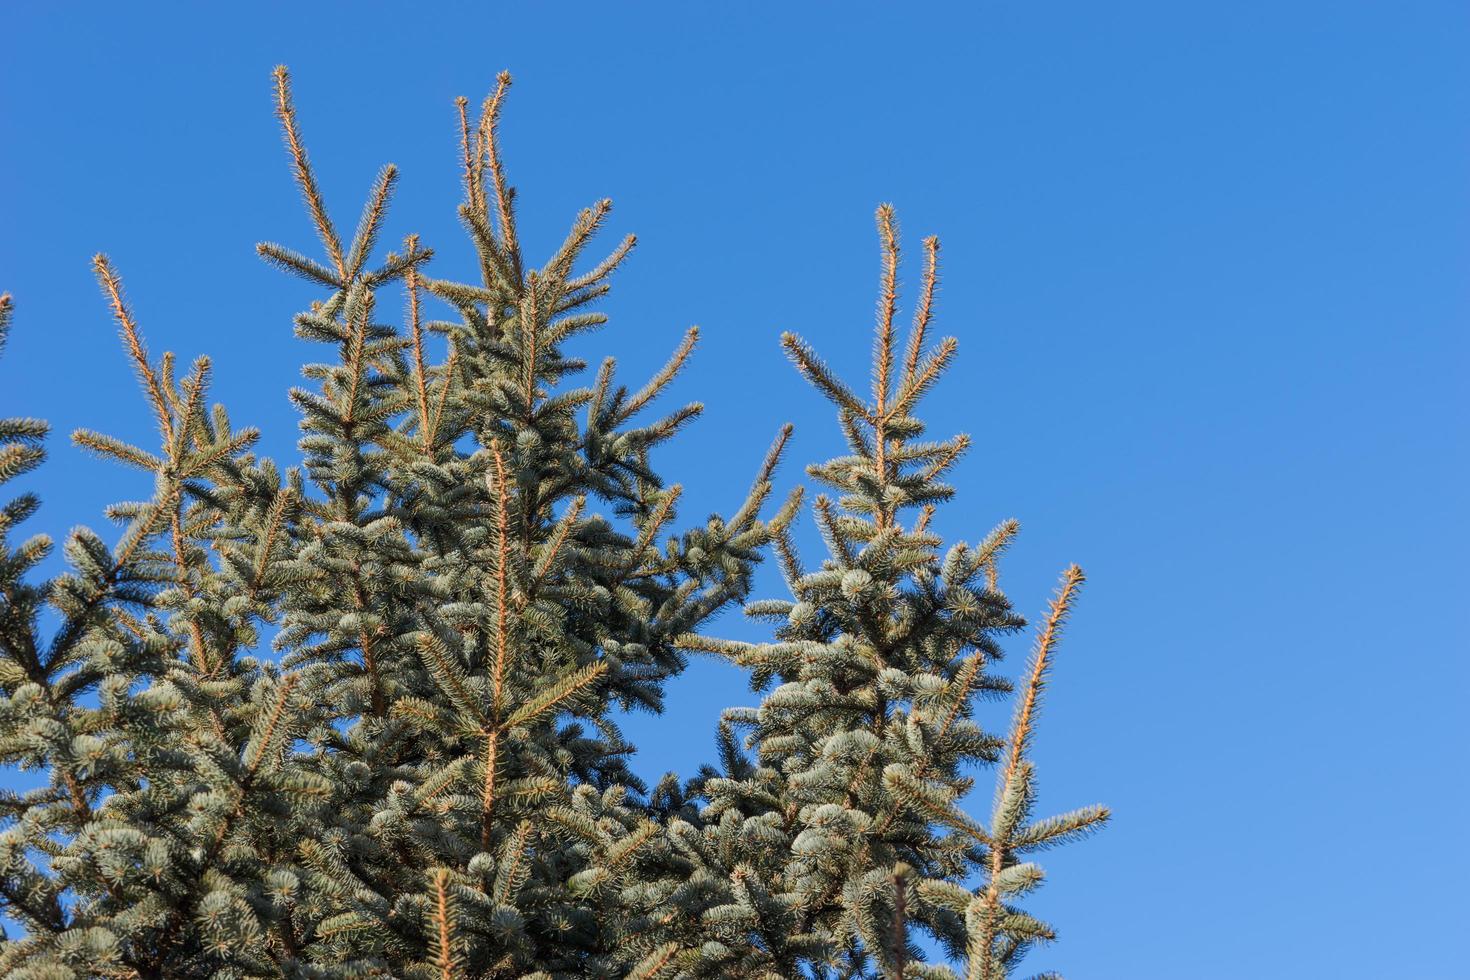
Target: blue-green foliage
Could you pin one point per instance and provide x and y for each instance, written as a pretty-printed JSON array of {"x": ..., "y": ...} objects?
[{"x": 475, "y": 562}]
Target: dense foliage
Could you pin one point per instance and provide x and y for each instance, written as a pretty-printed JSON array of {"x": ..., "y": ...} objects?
[{"x": 475, "y": 563}]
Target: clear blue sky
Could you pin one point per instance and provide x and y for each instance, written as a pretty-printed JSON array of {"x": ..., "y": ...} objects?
[{"x": 1206, "y": 262}]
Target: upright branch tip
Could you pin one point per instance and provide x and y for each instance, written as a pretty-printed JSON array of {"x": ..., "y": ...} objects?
[{"x": 301, "y": 169}]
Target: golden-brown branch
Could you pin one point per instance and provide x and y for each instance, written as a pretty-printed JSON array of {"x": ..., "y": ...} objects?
[
  {"x": 152, "y": 386},
  {"x": 301, "y": 168}
]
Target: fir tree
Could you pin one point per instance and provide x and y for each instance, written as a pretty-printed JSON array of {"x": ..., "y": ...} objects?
[{"x": 476, "y": 561}]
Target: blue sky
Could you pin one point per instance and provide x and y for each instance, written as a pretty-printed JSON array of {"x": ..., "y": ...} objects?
[{"x": 1206, "y": 263}]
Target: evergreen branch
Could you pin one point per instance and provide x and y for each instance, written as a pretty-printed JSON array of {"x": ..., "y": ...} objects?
[
  {"x": 925, "y": 311},
  {"x": 598, "y": 272},
  {"x": 473, "y": 194},
  {"x": 511, "y": 871},
  {"x": 371, "y": 223},
  {"x": 115, "y": 449},
  {"x": 821, "y": 376},
  {"x": 583, "y": 229},
  {"x": 650, "y": 530},
  {"x": 547, "y": 561},
  {"x": 133, "y": 340},
  {"x": 924, "y": 376},
  {"x": 500, "y": 494},
  {"x": 297, "y": 264},
  {"x": 489, "y": 141},
  {"x": 301, "y": 169},
  {"x": 1013, "y": 784},
  {"x": 661, "y": 380},
  {"x": 449, "y": 365},
  {"x": 1039, "y": 668},
  {"x": 442, "y": 914},
  {"x": 530, "y": 338},
  {"x": 487, "y": 788},
  {"x": 450, "y": 677},
  {"x": 348, "y": 408},
  {"x": 266, "y": 741},
  {"x": 887, "y": 309},
  {"x": 1060, "y": 829},
  {"x": 555, "y": 696},
  {"x": 760, "y": 488},
  {"x": 416, "y": 334},
  {"x": 925, "y": 516},
  {"x": 946, "y": 458},
  {"x": 655, "y": 963},
  {"x": 444, "y": 778}
]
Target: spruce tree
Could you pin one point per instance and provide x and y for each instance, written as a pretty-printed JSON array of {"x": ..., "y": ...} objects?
[
  {"x": 838, "y": 811},
  {"x": 355, "y": 717}
]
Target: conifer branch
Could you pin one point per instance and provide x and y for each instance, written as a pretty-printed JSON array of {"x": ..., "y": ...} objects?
[
  {"x": 442, "y": 916},
  {"x": 946, "y": 458},
  {"x": 531, "y": 335},
  {"x": 275, "y": 521},
  {"x": 665, "y": 374},
  {"x": 263, "y": 743},
  {"x": 577, "y": 287},
  {"x": 821, "y": 376},
  {"x": 925, "y": 516},
  {"x": 487, "y": 789},
  {"x": 472, "y": 191},
  {"x": 588, "y": 222},
  {"x": 1011, "y": 785},
  {"x": 449, "y": 365},
  {"x": 371, "y": 223},
  {"x": 489, "y": 141},
  {"x": 925, "y": 311},
  {"x": 655, "y": 963},
  {"x": 305, "y": 179},
  {"x": 1040, "y": 666},
  {"x": 500, "y": 494},
  {"x": 133, "y": 340},
  {"x": 563, "y": 527},
  {"x": 650, "y": 530},
  {"x": 416, "y": 335},
  {"x": 555, "y": 696},
  {"x": 887, "y": 310}
]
